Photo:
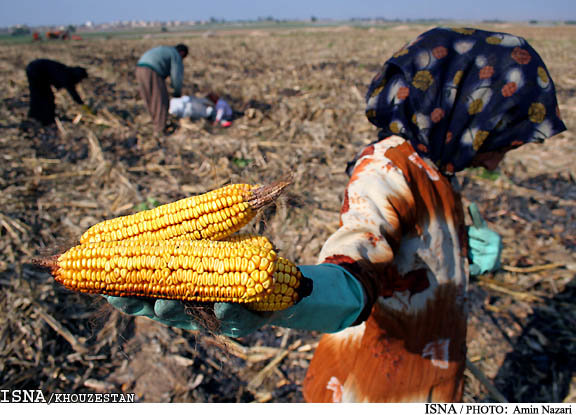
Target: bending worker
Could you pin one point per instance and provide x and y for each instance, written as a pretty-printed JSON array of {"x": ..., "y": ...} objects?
[
  {"x": 151, "y": 71},
  {"x": 43, "y": 74}
]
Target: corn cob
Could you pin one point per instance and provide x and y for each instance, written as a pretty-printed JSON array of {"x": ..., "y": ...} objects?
[
  {"x": 170, "y": 252},
  {"x": 205, "y": 271},
  {"x": 287, "y": 278},
  {"x": 288, "y": 288},
  {"x": 183, "y": 270},
  {"x": 213, "y": 215}
]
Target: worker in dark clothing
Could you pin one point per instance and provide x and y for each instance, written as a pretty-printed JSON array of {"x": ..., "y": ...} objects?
[{"x": 43, "y": 74}]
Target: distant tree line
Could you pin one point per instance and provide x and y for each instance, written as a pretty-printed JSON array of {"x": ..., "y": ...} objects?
[{"x": 25, "y": 30}]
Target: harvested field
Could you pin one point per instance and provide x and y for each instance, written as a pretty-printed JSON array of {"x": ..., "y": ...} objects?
[{"x": 301, "y": 93}]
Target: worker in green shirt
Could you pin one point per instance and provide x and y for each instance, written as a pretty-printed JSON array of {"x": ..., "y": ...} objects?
[{"x": 151, "y": 71}]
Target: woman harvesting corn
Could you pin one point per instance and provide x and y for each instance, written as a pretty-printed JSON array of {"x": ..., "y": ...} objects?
[{"x": 390, "y": 289}]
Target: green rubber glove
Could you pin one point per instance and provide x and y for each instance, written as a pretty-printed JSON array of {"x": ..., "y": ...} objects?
[
  {"x": 336, "y": 301},
  {"x": 169, "y": 312},
  {"x": 485, "y": 245}
]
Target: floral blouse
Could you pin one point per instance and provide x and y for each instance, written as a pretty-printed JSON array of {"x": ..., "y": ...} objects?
[{"x": 402, "y": 235}]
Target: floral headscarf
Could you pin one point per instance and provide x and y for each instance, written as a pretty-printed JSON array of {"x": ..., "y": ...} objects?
[{"x": 457, "y": 92}]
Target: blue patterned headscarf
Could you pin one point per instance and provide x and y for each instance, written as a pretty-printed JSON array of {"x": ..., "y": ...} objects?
[{"x": 457, "y": 92}]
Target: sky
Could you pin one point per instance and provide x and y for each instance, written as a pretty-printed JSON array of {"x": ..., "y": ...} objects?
[{"x": 61, "y": 12}]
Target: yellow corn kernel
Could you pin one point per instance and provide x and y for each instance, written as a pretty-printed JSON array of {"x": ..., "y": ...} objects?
[
  {"x": 251, "y": 239},
  {"x": 286, "y": 288}
]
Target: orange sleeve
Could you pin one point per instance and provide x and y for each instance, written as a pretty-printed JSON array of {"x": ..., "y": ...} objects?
[{"x": 392, "y": 198}]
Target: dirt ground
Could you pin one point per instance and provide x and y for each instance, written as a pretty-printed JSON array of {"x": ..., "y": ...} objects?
[{"x": 301, "y": 94}]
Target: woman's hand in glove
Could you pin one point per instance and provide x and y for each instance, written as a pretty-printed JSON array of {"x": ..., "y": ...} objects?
[
  {"x": 168, "y": 312},
  {"x": 336, "y": 301},
  {"x": 485, "y": 245}
]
